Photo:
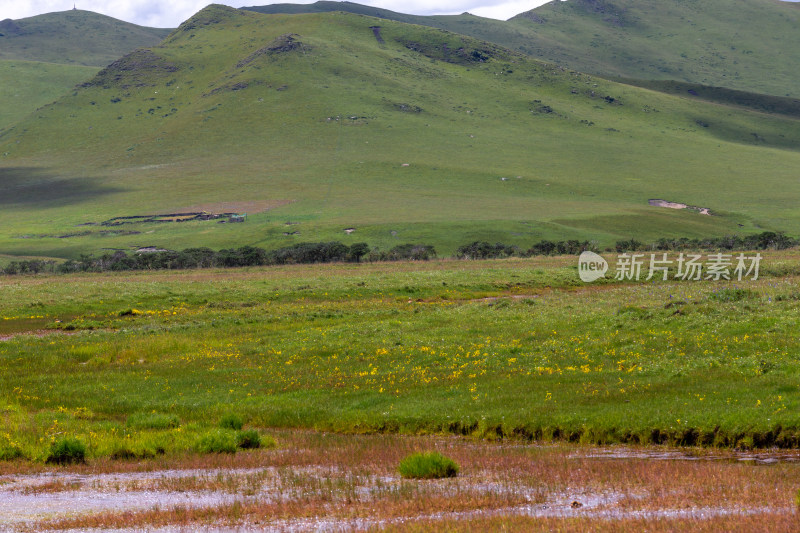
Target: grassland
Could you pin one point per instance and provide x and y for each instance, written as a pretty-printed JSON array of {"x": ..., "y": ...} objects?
[
  {"x": 503, "y": 349},
  {"x": 226, "y": 112},
  {"x": 74, "y": 37},
  {"x": 28, "y": 85},
  {"x": 715, "y": 42},
  {"x": 513, "y": 368},
  {"x": 738, "y": 45},
  {"x": 43, "y": 58}
]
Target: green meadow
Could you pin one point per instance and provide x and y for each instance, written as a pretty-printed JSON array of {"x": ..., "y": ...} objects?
[
  {"x": 151, "y": 362},
  {"x": 42, "y": 58},
  {"x": 28, "y": 85},
  {"x": 725, "y": 43},
  {"x": 312, "y": 126},
  {"x": 749, "y": 46}
]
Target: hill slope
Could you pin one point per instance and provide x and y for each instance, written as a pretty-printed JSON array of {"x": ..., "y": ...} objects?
[
  {"x": 43, "y": 57},
  {"x": 750, "y": 45},
  {"x": 316, "y": 124},
  {"x": 745, "y": 45},
  {"x": 73, "y": 37},
  {"x": 28, "y": 85}
]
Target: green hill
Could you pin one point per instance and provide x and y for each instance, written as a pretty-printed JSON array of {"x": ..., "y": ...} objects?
[
  {"x": 748, "y": 45},
  {"x": 745, "y": 45},
  {"x": 336, "y": 126},
  {"x": 73, "y": 37},
  {"x": 28, "y": 85},
  {"x": 43, "y": 57}
]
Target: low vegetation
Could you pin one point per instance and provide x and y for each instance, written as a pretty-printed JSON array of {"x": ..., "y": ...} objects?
[
  {"x": 170, "y": 362},
  {"x": 249, "y": 439},
  {"x": 231, "y": 421},
  {"x": 351, "y": 481},
  {"x": 217, "y": 441},
  {"x": 67, "y": 450},
  {"x": 427, "y": 465},
  {"x": 329, "y": 252}
]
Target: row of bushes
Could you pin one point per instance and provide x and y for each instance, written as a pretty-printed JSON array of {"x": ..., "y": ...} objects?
[
  {"x": 767, "y": 240},
  {"x": 327, "y": 252},
  {"x": 486, "y": 250},
  {"x": 320, "y": 252}
]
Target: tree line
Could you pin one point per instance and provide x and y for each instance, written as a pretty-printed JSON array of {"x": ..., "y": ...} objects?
[
  {"x": 335, "y": 251},
  {"x": 303, "y": 253}
]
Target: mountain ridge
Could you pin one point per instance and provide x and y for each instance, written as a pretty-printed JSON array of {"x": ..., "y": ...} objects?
[
  {"x": 627, "y": 38},
  {"x": 73, "y": 37}
]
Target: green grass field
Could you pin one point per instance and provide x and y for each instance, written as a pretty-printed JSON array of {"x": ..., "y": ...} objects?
[
  {"x": 75, "y": 37},
  {"x": 318, "y": 133},
  {"x": 738, "y": 45},
  {"x": 509, "y": 348},
  {"x": 715, "y": 42},
  {"x": 28, "y": 85},
  {"x": 43, "y": 58}
]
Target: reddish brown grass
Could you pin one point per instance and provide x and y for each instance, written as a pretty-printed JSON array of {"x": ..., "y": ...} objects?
[{"x": 349, "y": 480}]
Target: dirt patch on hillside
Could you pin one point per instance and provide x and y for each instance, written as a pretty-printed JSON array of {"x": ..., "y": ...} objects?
[{"x": 677, "y": 205}]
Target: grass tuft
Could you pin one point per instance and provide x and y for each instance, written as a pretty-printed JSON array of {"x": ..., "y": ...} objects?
[
  {"x": 431, "y": 465},
  {"x": 122, "y": 452},
  {"x": 231, "y": 421},
  {"x": 67, "y": 451},
  {"x": 248, "y": 439},
  {"x": 9, "y": 453},
  {"x": 217, "y": 441}
]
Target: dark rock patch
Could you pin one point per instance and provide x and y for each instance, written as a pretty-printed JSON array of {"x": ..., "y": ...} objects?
[{"x": 281, "y": 45}]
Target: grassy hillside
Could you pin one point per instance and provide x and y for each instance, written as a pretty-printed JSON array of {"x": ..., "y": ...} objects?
[
  {"x": 748, "y": 45},
  {"x": 500, "y": 32},
  {"x": 28, "y": 85},
  {"x": 73, "y": 37},
  {"x": 320, "y": 123},
  {"x": 43, "y": 57}
]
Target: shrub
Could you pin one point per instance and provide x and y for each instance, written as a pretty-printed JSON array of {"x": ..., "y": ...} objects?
[
  {"x": 414, "y": 252},
  {"x": 248, "y": 439},
  {"x": 218, "y": 441},
  {"x": 9, "y": 453},
  {"x": 357, "y": 251},
  {"x": 231, "y": 421},
  {"x": 631, "y": 245},
  {"x": 431, "y": 465},
  {"x": 153, "y": 421},
  {"x": 485, "y": 250},
  {"x": 66, "y": 451},
  {"x": 122, "y": 452}
]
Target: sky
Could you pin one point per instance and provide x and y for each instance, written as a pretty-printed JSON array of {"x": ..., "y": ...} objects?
[{"x": 170, "y": 13}]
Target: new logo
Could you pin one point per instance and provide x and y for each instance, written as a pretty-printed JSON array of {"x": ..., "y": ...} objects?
[{"x": 591, "y": 267}]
